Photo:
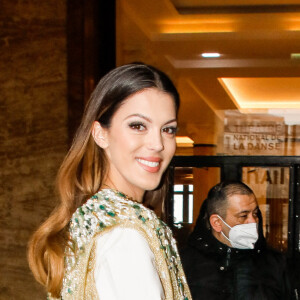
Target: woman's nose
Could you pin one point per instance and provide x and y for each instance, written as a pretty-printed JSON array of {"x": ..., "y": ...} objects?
[{"x": 155, "y": 141}]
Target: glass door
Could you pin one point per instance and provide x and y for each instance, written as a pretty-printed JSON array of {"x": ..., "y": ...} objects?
[
  {"x": 271, "y": 187},
  {"x": 191, "y": 185},
  {"x": 274, "y": 180}
]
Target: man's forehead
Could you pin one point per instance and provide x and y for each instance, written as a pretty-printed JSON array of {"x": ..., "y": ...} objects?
[{"x": 239, "y": 203}]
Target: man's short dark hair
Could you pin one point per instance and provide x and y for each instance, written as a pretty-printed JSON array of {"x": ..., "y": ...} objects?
[{"x": 216, "y": 202}]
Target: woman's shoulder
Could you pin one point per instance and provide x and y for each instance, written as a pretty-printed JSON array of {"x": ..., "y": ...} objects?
[
  {"x": 105, "y": 206},
  {"x": 106, "y": 209}
]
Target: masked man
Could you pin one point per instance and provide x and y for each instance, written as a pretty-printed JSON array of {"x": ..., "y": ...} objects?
[{"x": 227, "y": 257}]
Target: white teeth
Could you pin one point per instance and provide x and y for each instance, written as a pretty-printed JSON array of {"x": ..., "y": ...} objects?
[{"x": 148, "y": 163}]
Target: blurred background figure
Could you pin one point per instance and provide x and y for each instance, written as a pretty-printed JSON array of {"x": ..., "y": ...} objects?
[{"x": 227, "y": 256}]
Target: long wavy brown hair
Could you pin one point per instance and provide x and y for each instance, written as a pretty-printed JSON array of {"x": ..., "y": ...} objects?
[{"x": 85, "y": 165}]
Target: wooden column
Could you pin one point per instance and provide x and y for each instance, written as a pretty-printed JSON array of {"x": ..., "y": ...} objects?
[{"x": 91, "y": 51}]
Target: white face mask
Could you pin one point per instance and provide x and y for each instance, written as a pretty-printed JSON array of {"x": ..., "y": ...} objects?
[{"x": 242, "y": 236}]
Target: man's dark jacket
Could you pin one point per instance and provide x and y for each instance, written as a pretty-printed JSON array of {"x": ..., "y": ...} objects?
[{"x": 216, "y": 271}]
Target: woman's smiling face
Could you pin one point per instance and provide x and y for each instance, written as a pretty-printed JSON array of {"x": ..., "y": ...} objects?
[{"x": 140, "y": 141}]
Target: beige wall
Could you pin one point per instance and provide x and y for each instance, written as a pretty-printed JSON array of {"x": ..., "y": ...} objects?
[{"x": 33, "y": 131}]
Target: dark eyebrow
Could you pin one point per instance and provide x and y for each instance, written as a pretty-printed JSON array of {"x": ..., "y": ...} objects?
[
  {"x": 173, "y": 120},
  {"x": 147, "y": 119},
  {"x": 138, "y": 115},
  {"x": 243, "y": 212},
  {"x": 247, "y": 211}
]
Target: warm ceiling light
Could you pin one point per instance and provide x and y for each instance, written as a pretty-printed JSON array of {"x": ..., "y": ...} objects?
[
  {"x": 210, "y": 54},
  {"x": 263, "y": 92}
]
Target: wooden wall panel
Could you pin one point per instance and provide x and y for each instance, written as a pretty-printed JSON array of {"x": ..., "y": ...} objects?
[
  {"x": 33, "y": 130},
  {"x": 52, "y": 53}
]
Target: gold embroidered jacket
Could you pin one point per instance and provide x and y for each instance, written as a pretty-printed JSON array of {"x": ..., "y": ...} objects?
[{"x": 102, "y": 212}]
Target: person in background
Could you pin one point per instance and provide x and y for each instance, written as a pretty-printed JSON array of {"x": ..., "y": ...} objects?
[
  {"x": 227, "y": 256},
  {"x": 101, "y": 242}
]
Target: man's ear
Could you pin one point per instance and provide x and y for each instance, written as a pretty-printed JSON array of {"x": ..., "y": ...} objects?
[
  {"x": 100, "y": 135},
  {"x": 215, "y": 222}
]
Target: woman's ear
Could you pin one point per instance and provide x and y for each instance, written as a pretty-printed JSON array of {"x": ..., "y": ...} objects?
[
  {"x": 100, "y": 135},
  {"x": 215, "y": 223}
]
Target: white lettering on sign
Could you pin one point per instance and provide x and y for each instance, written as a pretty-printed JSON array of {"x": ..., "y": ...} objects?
[
  {"x": 268, "y": 182},
  {"x": 252, "y": 134}
]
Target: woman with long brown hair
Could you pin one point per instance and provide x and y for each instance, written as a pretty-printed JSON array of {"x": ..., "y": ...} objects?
[{"x": 101, "y": 242}]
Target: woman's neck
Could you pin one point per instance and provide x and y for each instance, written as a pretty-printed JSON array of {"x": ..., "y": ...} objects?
[{"x": 135, "y": 195}]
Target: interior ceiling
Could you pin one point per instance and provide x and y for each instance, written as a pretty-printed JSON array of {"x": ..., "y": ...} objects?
[{"x": 255, "y": 39}]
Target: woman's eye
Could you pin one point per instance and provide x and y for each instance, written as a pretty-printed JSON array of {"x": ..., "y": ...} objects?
[
  {"x": 137, "y": 126},
  {"x": 170, "y": 130}
]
